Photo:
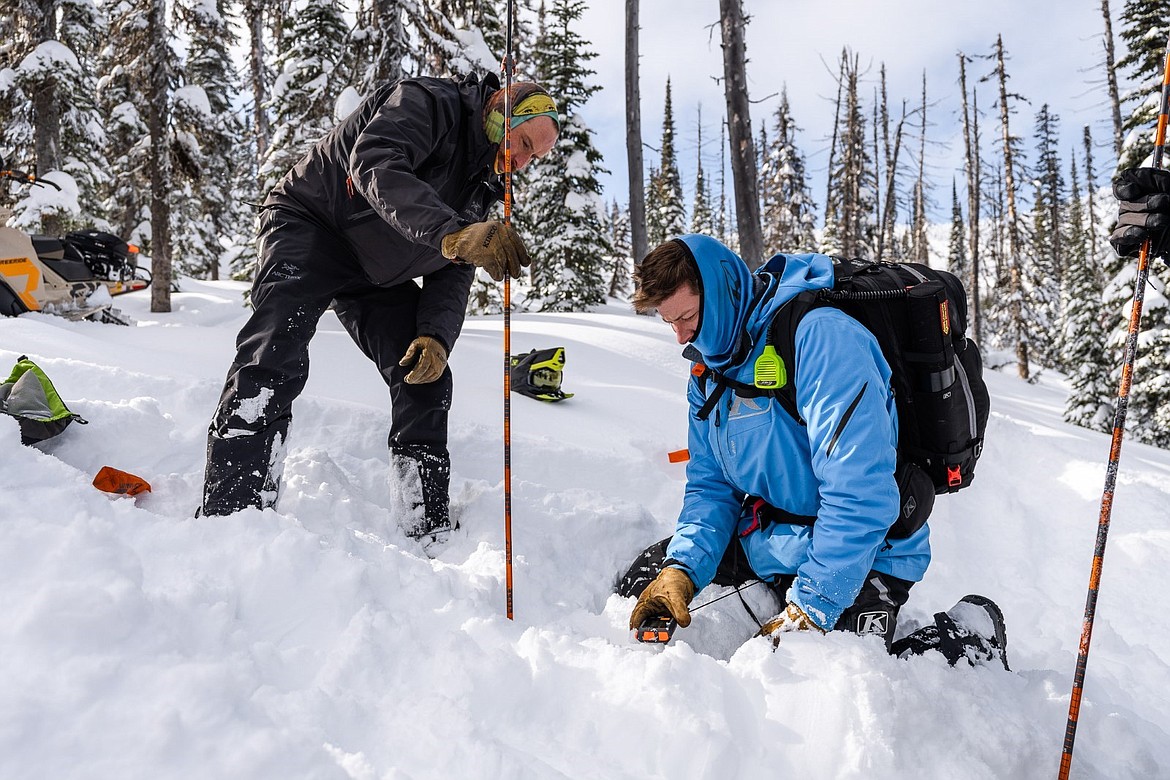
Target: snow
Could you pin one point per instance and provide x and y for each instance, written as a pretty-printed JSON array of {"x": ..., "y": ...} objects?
[
  {"x": 49, "y": 57},
  {"x": 317, "y": 641},
  {"x": 347, "y": 102},
  {"x": 194, "y": 99},
  {"x": 43, "y": 199}
]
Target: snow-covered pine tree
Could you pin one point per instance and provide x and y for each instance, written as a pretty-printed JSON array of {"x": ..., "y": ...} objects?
[
  {"x": 448, "y": 41},
  {"x": 850, "y": 227},
  {"x": 702, "y": 217},
  {"x": 621, "y": 283},
  {"x": 788, "y": 212},
  {"x": 378, "y": 45},
  {"x": 49, "y": 89},
  {"x": 665, "y": 213},
  {"x": 957, "y": 248},
  {"x": 309, "y": 81},
  {"x": 1143, "y": 29},
  {"x": 563, "y": 212},
  {"x": 1144, "y": 26},
  {"x": 1043, "y": 275},
  {"x": 208, "y": 213},
  {"x": 123, "y": 73},
  {"x": 1083, "y": 334}
]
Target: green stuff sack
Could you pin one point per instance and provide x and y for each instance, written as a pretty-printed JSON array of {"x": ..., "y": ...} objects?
[
  {"x": 30, "y": 397},
  {"x": 537, "y": 374}
]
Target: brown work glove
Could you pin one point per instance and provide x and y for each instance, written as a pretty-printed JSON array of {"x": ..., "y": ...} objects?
[
  {"x": 793, "y": 618},
  {"x": 492, "y": 246},
  {"x": 669, "y": 594},
  {"x": 431, "y": 360}
]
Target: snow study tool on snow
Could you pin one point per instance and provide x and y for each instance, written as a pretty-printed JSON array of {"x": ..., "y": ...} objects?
[
  {"x": 61, "y": 275},
  {"x": 537, "y": 374},
  {"x": 122, "y": 483},
  {"x": 507, "y": 65},
  {"x": 656, "y": 630},
  {"x": 1130, "y": 356}
]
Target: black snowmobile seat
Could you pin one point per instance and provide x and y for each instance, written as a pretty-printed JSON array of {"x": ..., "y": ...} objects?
[
  {"x": 48, "y": 248},
  {"x": 52, "y": 252}
]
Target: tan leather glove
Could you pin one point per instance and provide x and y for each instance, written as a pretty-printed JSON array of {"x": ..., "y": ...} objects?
[
  {"x": 669, "y": 594},
  {"x": 431, "y": 360},
  {"x": 492, "y": 246},
  {"x": 793, "y": 618}
]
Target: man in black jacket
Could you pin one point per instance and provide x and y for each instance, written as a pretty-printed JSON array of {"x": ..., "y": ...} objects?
[{"x": 398, "y": 191}]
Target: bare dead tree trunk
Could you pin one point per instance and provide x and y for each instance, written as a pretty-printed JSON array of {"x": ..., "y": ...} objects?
[
  {"x": 1015, "y": 246},
  {"x": 889, "y": 215},
  {"x": 158, "y": 120},
  {"x": 634, "y": 136},
  {"x": 853, "y": 145},
  {"x": 833, "y": 143},
  {"x": 1111, "y": 78},
  {"x": 739, "y": 124},
  {"x": 974, "y": 190},
  {"x": 920, "y": 253},
  {"x": 880, "y": 127}
]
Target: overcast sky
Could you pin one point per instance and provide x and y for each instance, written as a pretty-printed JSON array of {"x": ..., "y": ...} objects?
[{"x": 1054, "y": 46}]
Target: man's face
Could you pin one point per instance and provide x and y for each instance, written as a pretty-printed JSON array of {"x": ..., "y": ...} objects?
[
  {"x": 681, "y": 312},
  {"x": 530, "y": 140}
]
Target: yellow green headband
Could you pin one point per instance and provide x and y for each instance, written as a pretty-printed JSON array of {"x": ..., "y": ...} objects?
[{"x": 529, "y": 107}]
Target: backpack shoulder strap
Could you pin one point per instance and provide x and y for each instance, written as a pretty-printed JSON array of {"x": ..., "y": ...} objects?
[{"x": 782, "y": 334}]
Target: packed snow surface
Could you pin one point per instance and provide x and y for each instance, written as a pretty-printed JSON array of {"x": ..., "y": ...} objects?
[{"x": 317, "y": 641}]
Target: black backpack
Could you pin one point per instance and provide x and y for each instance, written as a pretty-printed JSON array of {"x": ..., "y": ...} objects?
[{"x": 919, "y": 317}]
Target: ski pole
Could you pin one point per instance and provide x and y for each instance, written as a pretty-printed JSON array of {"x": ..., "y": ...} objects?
[
  {"x": 507, "y": 67},
  {"x": 1130, "y": 354}
]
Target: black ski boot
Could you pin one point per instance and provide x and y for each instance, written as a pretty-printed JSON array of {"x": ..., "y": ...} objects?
[
  {"x": 422, "y": 476},
  {"x": 973, "y": 629}
]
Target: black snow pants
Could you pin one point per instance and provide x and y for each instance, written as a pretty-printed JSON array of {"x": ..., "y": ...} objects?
[
  {"x": 874, "y": 611},
  {"x": 303, "y": 269}
]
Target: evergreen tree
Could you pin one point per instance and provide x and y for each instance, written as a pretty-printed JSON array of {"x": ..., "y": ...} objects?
[
  {"x": 378, "y": 45},
  {"x": 1143, "y": 29},
  {"x": 1090, "y": 398},
  {"x": 564, "y": 212},
  {"x": 1043, "y": 278},
  {"x": 123, "y": 76},
  {"x": 208, "y": 213},
  {"x": 850, "y": 224},
  {"x": 51, "y": 118},
  {"x": 788, "y": 209},
  {"x": 957, "y": 249},
  {"x": 304, "y": 97},
  {"x": 621, "y": 284},
  {"x": 702, "y": 218},
  {"x": 665, "y": 214}
]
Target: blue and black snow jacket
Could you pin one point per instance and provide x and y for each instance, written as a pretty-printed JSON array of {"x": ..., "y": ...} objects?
[{"x": 838, "y": 467}]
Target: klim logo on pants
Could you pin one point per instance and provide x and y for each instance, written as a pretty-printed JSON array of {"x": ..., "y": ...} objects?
[{"x": 873, "y": 622}]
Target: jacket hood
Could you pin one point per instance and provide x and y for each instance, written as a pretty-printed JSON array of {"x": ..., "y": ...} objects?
[{"x": 737, "y": 305}]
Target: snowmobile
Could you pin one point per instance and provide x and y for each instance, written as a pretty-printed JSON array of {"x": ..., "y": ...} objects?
[{"x": 72, "y": 277}]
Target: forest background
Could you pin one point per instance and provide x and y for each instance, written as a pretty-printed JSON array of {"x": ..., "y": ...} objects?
[{"x": 165, "y": 121}]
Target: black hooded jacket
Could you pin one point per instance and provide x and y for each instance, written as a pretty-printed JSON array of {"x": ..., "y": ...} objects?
[{"x": 411, "y": 164}]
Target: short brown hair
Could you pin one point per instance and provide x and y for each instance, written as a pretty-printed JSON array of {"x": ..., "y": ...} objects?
[{"x": 662, "y": 273}]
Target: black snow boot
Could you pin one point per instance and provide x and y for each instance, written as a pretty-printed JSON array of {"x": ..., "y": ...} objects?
[
  {"x": 422, "y": 476},
  {"x": 973, "y": 629}
]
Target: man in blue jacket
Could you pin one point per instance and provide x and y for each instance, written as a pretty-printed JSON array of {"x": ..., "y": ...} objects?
[
  {"x": 400, "y": 190},
  {"x": 831, "y": 478}
]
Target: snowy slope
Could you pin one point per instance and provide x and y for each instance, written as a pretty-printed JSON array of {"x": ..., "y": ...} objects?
[{"x": 316, "y": 641}]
